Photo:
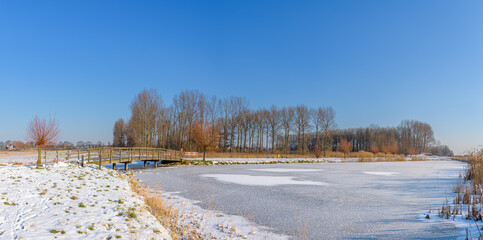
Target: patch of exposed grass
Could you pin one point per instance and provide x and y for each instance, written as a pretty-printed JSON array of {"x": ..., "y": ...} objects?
[
  {"x": 54, "y": 231},
  {"x": 91, "y": 227},
  {"x": 131, "y": 213}
]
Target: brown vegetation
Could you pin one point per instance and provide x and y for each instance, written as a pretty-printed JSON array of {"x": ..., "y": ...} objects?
[
  {"x": 42, "y": 133},
  {"x": 205, "y": 136},
  {"x": 345, "y": 146}
]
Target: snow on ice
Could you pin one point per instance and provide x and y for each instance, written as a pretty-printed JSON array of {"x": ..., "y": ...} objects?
[{"x": 244, "y": 179}]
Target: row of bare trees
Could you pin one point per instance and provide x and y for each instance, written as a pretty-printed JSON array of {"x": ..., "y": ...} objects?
[
  {"x": 240, "y": 128},
  {"x": 410, "y": 137}
]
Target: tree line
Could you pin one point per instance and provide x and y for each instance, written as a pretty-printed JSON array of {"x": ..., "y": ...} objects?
[
  {"x": 409, "y": 137},
  {"x": 235, "y": 127}
]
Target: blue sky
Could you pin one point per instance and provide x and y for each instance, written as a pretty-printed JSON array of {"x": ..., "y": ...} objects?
[{"x": 375, "y": 62}]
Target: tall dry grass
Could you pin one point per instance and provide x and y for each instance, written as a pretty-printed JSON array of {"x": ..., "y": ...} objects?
[
  {"x": 468, "y": 199},
  {"x": 164, "y": 212}
]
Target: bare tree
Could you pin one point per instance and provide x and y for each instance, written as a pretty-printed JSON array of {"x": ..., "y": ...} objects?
[
  {"x": 328, "y": 124},
  {"x": 302, "y": 118},
  {"x": 236, "y": 106},
  {"x": 42, "y": 133},
  {"x": 132, "y": 133},
  {"x": 288, "y": 114},
  {"x": 225, "y": 121},
  {"x": 415, "y": 135},
  {"x": 144, "y": 112},
  {"x": 317, "y": 117},
  {"x": 273, "y": 118},
  {"x": 119, "y": 133},
  {"x": 213, "y": 109},
  {"x": 204, "y": 137}
]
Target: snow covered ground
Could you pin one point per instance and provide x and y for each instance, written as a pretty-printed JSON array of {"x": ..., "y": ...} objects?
[
  {"x": 27, "y": 158},
  {"x": 68, "y": 202}
]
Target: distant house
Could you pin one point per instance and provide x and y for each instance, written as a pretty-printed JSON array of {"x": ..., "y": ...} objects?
[{"x": 10, "y": 148}]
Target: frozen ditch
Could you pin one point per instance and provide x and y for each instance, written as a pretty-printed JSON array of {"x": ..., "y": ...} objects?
[{"x": 317, "y": 200}]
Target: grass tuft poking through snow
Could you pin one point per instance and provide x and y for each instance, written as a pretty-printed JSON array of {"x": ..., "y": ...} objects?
[{"x": 64, "y": 201}]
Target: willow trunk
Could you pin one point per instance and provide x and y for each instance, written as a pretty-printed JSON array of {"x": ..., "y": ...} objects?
[{"x": 39, "y": 160}]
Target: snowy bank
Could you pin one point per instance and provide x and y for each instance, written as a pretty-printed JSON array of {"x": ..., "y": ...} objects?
[
  {"x": 68, "y": 202},
  {"x": 270, "y": 160},
  {"x": 311, "y": 160}
]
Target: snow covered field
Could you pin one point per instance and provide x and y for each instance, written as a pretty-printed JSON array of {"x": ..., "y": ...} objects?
[
  {"x": 68, "y": 202},
  {"x": 25, "y": 158}
]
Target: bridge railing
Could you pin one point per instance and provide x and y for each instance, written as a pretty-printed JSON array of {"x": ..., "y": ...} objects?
[{"x": 117, "y": 154}]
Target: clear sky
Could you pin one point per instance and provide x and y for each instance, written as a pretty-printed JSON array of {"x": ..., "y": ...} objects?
[{"x": 375, "y": 62}]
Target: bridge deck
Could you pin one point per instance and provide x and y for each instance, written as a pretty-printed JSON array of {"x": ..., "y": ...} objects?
[{"x": 103, "y": 156}]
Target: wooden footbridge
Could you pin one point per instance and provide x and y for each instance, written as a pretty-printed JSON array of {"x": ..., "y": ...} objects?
[{"x": 111, "y": 155}]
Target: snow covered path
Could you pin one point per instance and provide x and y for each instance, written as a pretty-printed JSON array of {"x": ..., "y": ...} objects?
[{"x": 67, "y": 202}]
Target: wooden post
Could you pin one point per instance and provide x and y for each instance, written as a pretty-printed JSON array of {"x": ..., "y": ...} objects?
[
  {"x": 57, "y": 156},
  {"x": 45, "y": 158},
  {"x": 120, "y": 155},
  {"x": 78, "y": 155},
  {"x": 130, "y": 155},
  {"x": 89, "y": 155},
  {"x": 100, "y": 159},
  {"x": 125, "y": 166},
  {"x": 82, "y": 163},
  {"x": 155, "y": 164},
  {"x": 68, "y": 155},
  {"x": 144, "y": 163},
  {"x": 110, "y": 155},
  {"x": 114, "y": 166}
]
